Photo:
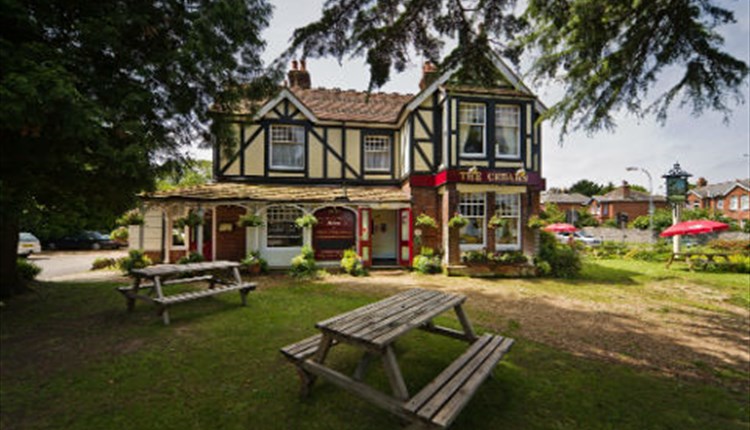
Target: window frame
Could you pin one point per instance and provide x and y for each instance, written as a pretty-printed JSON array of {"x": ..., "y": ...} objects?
[
  {"x": 484, "y": 125},
  {"x": 268, "y": 222},
  {"x": 720, "y": 204},
  {"x": 734, "y": 203},
  {"x": 271, "y": 143},
  {"x": 518, "y": 216},
  {"x": 517, "y": 108},
  {"x": 483, "y": 223},
  {"x": 389, "y": 143},
  {"x": 745, "y": 202}
]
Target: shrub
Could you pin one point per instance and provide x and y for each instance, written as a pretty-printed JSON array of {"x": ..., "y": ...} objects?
[
  {"x": 27, "y": 270},
  {"x": 647, "y": 254},
  {"x": 610, "y": 223},
  {"x": 253, "y": 258},
  {"x": 303, "y": 265},
  {"x": 103, "y": 263},
  {"x": 136, "y": 259},
  {"x": 427, "y": 262},
  {"x": 474, "y": 257},
  {"x": 535, "y": 223},
  {"x": 193, "y": 257},
  {"x": 508, "y": 257},
  {"x": 739, "y": 263},
  {"x": 353, "y": 264},
  {"x": 563, "y": 261},
  {"x": 130, "y": 218},
  {"x": 120, "y": 234},
  {"x": 730, "y": 245}
]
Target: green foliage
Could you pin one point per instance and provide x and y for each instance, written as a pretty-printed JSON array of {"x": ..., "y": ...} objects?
[
  {"x": 136, "y": 259},
  {"x": 563, "y": 260},
  {"x": 535, "y": 222},
  {"x": 192, "y": 219},
  {"x": 648, "y": 253},
  {"x": 730, "y": 245},
  {"x": 103, "y": 263},
  {"x": 457, "y": 221},
  {"x": 193, "y": 257},
  {"x": 607, "y": 250},
  {"x": 497, "y": 222},
  {"x": 131, "y": 217},
  {"x": 185, "y": 174},
  {"x": 120, "y": 234},
  {"x": 586, "y": 187},
  {"x": 610, "y": 223},
  {"x": 352, "y": 263},
  {"x": 552, "y": 214},
  {"x": 427, "y": 262},
  {"x": 253, "y": 258},
  {"x": 303, "y": 265},
  {"x": 250, "y": 220},
  {"x": 425, "y": 221},
  {"x": 27, "y": 270},
  {"x": 306, "y": 221},
  {"x": 499, "y": 257},
  {"x": 586, "y": 219}
]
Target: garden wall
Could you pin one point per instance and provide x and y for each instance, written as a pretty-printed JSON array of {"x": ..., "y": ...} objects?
[{"x": 642, "y": 236}]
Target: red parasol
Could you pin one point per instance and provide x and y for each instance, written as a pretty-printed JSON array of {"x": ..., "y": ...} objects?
[
  {"x": 560, "y": 227},
  {"x": 700, "y": 226}
]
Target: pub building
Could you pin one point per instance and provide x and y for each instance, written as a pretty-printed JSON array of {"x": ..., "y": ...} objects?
[{"x": 366, "y": 166}]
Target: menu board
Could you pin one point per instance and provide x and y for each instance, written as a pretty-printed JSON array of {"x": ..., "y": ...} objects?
[{"x": 334, "y": 233}]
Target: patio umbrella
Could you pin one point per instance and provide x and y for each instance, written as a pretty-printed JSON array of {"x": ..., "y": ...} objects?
[
  {"x": 560, "y": 227},
  {"x": 700, "y": 226}
]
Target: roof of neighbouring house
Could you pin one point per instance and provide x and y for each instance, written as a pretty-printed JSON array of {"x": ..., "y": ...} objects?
[
  {"x": 619, "y": 195},
  {"x": 569, "y": 198},
  {"x": 719, "y": 189},
  {"x": 228, "y": 191}
]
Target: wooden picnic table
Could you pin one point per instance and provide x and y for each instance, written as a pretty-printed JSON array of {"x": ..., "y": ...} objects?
[
  {"x": 221, "y": 276},
  {"x": 375, "y": 328},
  {"x": 704, "y": 260}
]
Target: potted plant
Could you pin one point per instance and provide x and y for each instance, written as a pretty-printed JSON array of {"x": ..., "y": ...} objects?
[
  {"x": 254, "y": 264},
  {"x": 425, "y": 221},
  {"x": 191, "y": 220},
  {"x": 250, "y": 220},
  {"x": 306, "y": 220},
  {"x": 457, "y": 221}
]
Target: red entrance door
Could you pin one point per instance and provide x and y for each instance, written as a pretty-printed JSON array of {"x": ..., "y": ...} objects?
[{"x": 334, "y": 233}]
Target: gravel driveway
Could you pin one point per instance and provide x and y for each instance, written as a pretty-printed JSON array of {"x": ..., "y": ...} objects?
[{"x": 73, "y": 265}]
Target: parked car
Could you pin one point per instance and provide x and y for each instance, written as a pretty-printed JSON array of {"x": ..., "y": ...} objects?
[
  {"x": 579, "y": 236},
  {"x": 28, "y": 244},
  {"x": 83, "y": 240}
]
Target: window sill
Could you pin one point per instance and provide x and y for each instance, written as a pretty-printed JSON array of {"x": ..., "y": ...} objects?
[{"x": 287, "y": 169}]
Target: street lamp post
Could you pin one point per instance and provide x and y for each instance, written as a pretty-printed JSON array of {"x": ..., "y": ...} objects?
[{"x": 650, "y": 199}]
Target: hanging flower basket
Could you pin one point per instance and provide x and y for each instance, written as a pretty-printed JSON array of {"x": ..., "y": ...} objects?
[
  {"x": 425, "y": 221},
  {"x": 306, "y": 221},
  {"x": 497, "y": 222},
  {"x": 250, "y": 220},
  {"x": 190, "y": 220},
  {"x": 130, "y": 218},
  {"x": 457, "y": 222}
]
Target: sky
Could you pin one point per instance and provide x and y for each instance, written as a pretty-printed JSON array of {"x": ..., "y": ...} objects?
[{"x": 704, "y": 146}]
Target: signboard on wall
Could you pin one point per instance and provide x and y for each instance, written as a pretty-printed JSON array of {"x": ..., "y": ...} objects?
[
  {"x": 334, "y": 233},
  {"x": 477, "y": 176}
]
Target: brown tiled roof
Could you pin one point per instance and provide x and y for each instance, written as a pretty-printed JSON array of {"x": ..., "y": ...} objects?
[
  {"x": 228, "y": 191},
  {"x": 338, "y": 105}
]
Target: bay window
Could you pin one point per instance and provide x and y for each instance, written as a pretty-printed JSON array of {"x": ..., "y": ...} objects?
[
  {"x": 508, "y": 236},
  {"x": 472, "y": 207},
  {"x": 287, "y": 147},
  {"x": 507, "y": 131},
  {"x": 471, "y": 128}
]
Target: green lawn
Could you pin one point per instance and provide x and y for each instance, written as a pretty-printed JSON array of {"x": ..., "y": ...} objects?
[{"x": 72, "y": 358}]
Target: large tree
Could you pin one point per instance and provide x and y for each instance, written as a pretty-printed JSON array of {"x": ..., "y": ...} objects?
[
  {"x": 95, "y": 93},
  {"x": 607, "y": 55}
]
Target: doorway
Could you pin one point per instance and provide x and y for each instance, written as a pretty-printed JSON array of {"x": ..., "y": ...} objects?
[{"x": 384, "y": 238}]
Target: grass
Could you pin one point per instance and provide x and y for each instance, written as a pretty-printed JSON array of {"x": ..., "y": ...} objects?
[{"x": 73, "y": 358}]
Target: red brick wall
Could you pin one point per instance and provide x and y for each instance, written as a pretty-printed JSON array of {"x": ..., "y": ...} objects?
[
  {"x": 426, "y": 200},
  {"x": 737, "y": 214},
  {"x": 230, "y": 245}
]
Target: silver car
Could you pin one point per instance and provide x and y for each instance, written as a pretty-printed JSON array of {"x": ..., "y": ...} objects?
[
  {"x": 578, "y": 236},
  {"x": 28, "y": 244}
]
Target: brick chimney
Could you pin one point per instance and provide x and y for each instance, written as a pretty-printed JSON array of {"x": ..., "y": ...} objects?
[
  {"x": 429, "y": 74},
  {"x": 299, "y": 77},
  {"x": 701, "y": 182},
  {"x": 625, "y": 190}
]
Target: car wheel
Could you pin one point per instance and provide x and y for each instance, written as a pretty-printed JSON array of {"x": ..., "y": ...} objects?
[{"x": 96, "y": 246}]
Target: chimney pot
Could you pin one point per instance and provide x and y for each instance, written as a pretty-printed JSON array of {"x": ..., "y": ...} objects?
[
  {"x": 302, "y": 65},
  {"x": 294, "y": 64},
  {"x": 429, "y": 74}
]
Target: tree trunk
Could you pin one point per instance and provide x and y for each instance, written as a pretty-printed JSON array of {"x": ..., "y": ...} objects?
[{"x": 10, "y": 282}]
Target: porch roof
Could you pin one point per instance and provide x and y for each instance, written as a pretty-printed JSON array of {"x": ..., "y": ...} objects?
[{"x": 282, "y": 193}]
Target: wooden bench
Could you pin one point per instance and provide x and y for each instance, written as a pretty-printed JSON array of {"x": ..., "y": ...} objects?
[
  {"x": 299, "y": 352},
  {"x": 440, "y": 402}
]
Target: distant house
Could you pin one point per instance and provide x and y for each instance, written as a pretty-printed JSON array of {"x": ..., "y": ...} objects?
[
  {"x": 623, "y": 202},
  {"x": 570, "y": 203},
  {"x": 731, "y": 199}
]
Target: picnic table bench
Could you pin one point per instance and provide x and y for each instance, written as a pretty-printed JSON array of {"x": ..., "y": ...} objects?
[
  {"x": 703, "y": 260},
  {"x": 221, "y": 276},
  {"x": 375, "y": 328}
]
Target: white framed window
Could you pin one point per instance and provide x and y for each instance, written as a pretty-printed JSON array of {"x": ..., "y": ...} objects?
[
  {"x": 508, "y": 236},
  {"x": 178, "y": 236},
  {"x": 287, "y": 147},
  {"x": 507, "y": 131},
  {"x": 733, "y": 203},
  {"x": 719, "y": 204},
  {"x": 472, "y": 207},
  {"x": 281, "y": 229},
  {"x": 378, "y": 153},
  {"x": 745, "y": 202},
  {"x": 472, "y": 121}
]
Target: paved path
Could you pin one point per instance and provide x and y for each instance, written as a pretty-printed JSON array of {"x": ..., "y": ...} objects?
[{"x": 73, "y": 265}]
